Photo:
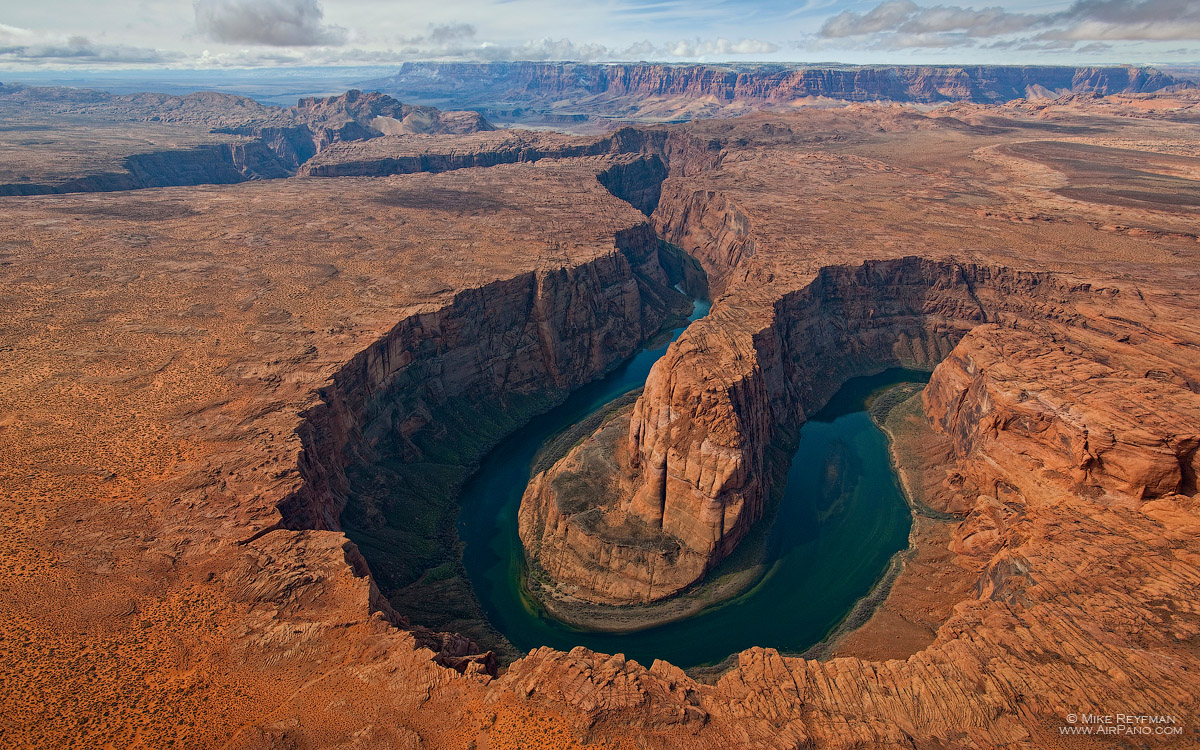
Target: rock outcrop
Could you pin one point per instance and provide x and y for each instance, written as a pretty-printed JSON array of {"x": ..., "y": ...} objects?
[
  {"x": 1071, "y": 400},
  {"x": 1080, "y": 415},
  {"x": 514, "y": 345},
  {"x": 314, "y": 124},
  {"x": 576, "y": 527},
  {"x": 387, "y": 155},
  {"x": 693, "y": 478}
]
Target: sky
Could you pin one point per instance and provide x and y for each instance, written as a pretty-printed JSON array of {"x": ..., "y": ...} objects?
[{"x": 213, "y": 34}]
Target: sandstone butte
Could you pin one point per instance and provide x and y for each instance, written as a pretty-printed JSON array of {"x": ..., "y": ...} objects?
[{"x": 189, "y": 372}]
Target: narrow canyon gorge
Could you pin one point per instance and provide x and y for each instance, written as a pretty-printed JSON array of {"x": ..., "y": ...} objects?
[{"x": 1047, "y": 384}]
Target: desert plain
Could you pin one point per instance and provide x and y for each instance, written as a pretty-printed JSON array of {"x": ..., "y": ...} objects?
[{"x": 209, "y": 391}]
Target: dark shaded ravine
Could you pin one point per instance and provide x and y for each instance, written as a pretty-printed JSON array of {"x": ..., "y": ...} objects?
[{"x": 841, "y": 519}]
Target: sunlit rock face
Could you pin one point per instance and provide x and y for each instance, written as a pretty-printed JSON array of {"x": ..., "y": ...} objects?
[{"x": 690, "y": 479}]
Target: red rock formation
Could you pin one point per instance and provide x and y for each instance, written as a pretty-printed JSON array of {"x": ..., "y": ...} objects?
[
  {"x": 610, "y": 89},
  {"x": 1098, "y": 420},
  {"x": 574, "y": 527},
  {"x": 694, "y": 468},
  {"x": 571, "y": 325},
  {"x": 1073, "y": 407}
]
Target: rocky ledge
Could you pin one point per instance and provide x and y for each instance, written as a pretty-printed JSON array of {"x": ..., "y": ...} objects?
[
  {"x": 643, "y": 520},
  {"x": 1065, "y": 381},
  {"x": 575, "y": 526}
]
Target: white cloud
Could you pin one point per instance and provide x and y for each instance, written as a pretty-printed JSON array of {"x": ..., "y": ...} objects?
[
  {"x": 719, "y": 46},
  {"x": 274, "y": 23},
  {"x": 18, "y": 45},
  {"x": 131, "y": 33},
  {"x": 883, "y": 17},
  {"x": 1132, "y": 20},
  {"x": 459, "y": 41},
  {"x": 902, "y": 23},
  {"x": 906, "y": 18}
]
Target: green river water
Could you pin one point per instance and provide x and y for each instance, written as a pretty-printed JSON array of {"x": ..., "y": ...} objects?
[{"x": 841, "y": 518}]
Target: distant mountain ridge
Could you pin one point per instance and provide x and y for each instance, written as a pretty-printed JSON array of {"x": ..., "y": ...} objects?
[
  {"x": 370, "y": 110},
  {"x": 614, "y": 90}
]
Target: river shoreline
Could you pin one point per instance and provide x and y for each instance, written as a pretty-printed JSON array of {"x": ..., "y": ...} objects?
[
  {"x": 881, "y": 407},
  {"x": 788, "y": 576},
  {"x": 902, "y": 396},
  {"x": 901, "y": 614},
  {"x": 732, "y": 577},
  {"x": 739, "y": 573}
]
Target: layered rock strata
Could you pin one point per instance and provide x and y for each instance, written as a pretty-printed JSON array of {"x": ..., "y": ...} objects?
[
  {"x": 692, "y": 478},
  {"x": 432, "y": 153},
  {"x": 1071, "y": 400},
  {"x": 1081, "y": 414},
  {"x": 509, "y": 305},
  {"x": 575, "y": 525},
  {"x": 516, "y": 344},
  {"x": 524, "y": 90}
]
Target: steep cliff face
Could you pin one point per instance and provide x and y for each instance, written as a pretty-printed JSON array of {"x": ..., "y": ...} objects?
[
  {"x": 592, "y": 550},
  {"x": 140, "y": 453},
  {"x": 898, "y": 83},
  {"x": 710, "y": 225},
  {"x": 316, "y": 123},
  {"x": 224, "y": 164},
  {"x": 637, "y": 181},
  {"x": 444, "y": 384},
  {"x": 389, "y": 156},
  {"x": 478, "y": 84},
  {"x": 693, "y": 474},
  {"x": 217, "y": 164}
]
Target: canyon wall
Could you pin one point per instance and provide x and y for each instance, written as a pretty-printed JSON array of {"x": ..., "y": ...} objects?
[
  {"x": 694, "y": 466},
  {"x": 1026, "y": 413},
  {"x": 400, "y": 426},
  {"x": 216, "y": 164},
  {"x": 636, "y": 180},
  {"x": 519, "y": 343},
  {"x": 710, "y": 225},
  {"x": 350, "y": 161},
  {"x": 389, "y": 156},
  {"x": 298, "y": 133},
  {"x": 476, "y": 84}
]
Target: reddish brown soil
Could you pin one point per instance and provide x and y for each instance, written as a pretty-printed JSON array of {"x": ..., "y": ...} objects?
[{"x": 161, "y": 350}]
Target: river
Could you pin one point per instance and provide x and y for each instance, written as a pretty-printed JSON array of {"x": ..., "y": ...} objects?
[{"x": 841, "y": 518}]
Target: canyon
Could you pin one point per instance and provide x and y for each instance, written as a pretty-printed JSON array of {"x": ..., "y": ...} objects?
[
  {"x": 688, "y": 484},
  {"x": 234, "y": 427},
  {"x": 63, "y": 140}
]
